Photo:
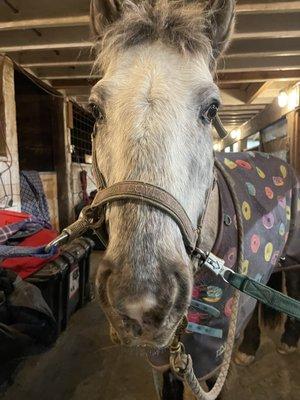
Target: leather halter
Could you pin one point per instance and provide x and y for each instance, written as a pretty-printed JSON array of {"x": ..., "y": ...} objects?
[
  {"x": 154, "y": 196},
  {"x": 149, "y": 194},
  {"x": 145, "y": 193}
]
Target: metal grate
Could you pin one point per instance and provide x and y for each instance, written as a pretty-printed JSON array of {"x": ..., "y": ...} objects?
[{"x": 81, "y": 141}]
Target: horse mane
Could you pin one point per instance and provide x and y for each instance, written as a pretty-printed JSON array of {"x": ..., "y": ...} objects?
[{"x": 180, "y": 24}]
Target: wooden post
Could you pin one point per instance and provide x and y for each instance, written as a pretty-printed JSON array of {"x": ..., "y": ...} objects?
[
  {"x": 63, "y": 163},
  {"x": 9, "y": 164}
]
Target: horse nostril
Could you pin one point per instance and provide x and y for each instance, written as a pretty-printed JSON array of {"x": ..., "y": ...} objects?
[
  {"x": 132, "y": 325},
  {"x": 137, "y": 329}
]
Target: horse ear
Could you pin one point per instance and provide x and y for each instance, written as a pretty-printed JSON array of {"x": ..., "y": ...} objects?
[
  {"x": 220, "y": 23},
  {"x": 105, "y": 12}
]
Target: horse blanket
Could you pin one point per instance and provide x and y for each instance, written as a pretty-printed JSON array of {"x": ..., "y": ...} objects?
[
  {"x": 33, "y": 198},
  {"x": 268, "y": 194}
]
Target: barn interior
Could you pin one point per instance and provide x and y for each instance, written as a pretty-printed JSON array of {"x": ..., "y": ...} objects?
[{"x": 46, "y": 75}]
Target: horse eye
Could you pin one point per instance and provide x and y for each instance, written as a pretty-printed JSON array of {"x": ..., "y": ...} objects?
[
  {"x": 95, "y": 111},
  {"x": 211, "y": 113}
]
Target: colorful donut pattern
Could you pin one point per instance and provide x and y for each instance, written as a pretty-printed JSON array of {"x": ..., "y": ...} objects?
[{"x": 264, "y": 186}]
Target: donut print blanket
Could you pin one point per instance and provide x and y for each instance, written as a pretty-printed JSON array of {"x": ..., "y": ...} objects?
[{"x": 268, "y": 195}]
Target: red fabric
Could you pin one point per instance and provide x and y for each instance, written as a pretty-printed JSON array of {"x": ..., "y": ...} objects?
[
  {"x": 26, "y": 266},
  {"x": 11, "y": 217}
]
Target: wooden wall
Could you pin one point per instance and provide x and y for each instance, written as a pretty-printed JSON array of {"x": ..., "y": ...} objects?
[{"x": 10, "y": 190}]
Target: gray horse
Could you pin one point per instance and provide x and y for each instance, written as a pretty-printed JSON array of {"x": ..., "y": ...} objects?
[{"x": 154, "y": 107}]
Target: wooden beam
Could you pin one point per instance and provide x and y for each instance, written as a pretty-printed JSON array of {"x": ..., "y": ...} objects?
[
  {"x": 45, "y": 23},
  {"x": 264, "y": 54},
  {"x": 237, "y": 64},
  {"x": 280, "y": 7},
  {"x": 45, "y": 46},
  {"x": 71, "y": 83},
  {"x": 262, "y": 47},
  {"x": 256, "y": 89},
  {"x": 243, "y": 107},
  {"x": 66, "y": 77},
  {"x": 267, "y": 35},
  {"x": 232, "y": 112},
  {"x": 261, "y": 26},
  {"x": 56, "y": 64},
  {"x": 258, "y": 76}
]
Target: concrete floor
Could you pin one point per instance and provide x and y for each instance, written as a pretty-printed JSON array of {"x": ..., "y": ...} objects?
[{"x": 84, "y": 365}]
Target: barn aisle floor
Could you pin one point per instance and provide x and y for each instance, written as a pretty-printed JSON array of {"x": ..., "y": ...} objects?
[{"x": 84, "y": 365}]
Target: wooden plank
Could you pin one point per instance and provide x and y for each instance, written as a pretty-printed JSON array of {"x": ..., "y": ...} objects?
[
  {"x": 264, "y": 54},
  {"x": 62, "y": 162},
  {"x": 71, "y": 83},
  {"x": 258, "y": 76},
  {"x": 69, "y": 115},
  {"x": 265, "y": 7},
  {"x": 293, "y": 132},
  {"x": 256, "y": 89},
  {"x": 243, "y": 107},
  {"x": 2, "y": 111},
  {"x": 67, "y": 77},
  {"x": 45, "y": 23},
  {"x": 263, "y": 46},
  {"x": 49, "y": 64},
  {"x": 46, "y": 46},
  {"x": 9, "y": 124},
  {"x": 260, "y": 64},
  {"x": 267, "y": 35},
  {"x": 261, "y": 26}
]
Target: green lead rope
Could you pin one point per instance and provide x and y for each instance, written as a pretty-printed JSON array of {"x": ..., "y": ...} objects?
[
  {"x": 249, "y": 286},
  {"x": 265, "y": 294}
]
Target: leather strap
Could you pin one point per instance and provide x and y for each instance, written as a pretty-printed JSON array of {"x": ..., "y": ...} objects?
[
  {"x": 265, "y": 294},
  {"x": 99, "y": 178},
  {"x": 154, "y": 196}
]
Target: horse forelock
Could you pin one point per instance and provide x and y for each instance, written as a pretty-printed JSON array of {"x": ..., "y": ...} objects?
[{"x": 178, "y": 23}]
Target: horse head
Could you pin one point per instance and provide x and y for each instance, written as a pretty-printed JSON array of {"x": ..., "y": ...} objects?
[{"x": 154, "y": 107}]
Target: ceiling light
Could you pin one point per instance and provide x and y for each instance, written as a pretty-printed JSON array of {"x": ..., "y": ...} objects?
[
  {"x": 235, "y": 134},
  {"x": 217, "y": 147},
  {"x": 283, "y": 99}
]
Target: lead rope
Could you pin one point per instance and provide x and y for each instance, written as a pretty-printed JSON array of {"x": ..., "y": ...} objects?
[{"x": 181, "y": 363}]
